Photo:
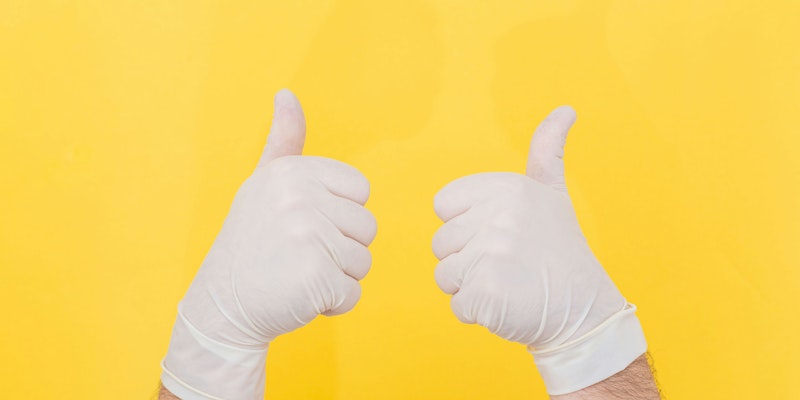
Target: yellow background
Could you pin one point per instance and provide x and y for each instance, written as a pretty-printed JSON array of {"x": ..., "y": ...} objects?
[{"x": 128, "y": 125}]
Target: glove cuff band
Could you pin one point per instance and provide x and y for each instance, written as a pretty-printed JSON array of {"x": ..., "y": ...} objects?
[
  {"x": 200, "y": 368},
  {"x": 593, "y": 357}
]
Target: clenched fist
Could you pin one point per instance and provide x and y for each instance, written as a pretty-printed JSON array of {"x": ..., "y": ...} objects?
[
  {"x": 294, "y": 245},
  {"x": 516, "y": 262}
]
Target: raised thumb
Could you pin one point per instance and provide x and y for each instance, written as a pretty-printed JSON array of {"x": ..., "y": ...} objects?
[
  {"x": 546, "y": 155},
  {"x": 288, "y": 132}
]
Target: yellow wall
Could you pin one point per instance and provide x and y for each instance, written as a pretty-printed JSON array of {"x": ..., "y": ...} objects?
[{"x": 127, "y": 126}]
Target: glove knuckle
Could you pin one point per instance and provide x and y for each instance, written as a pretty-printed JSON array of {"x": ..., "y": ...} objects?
[
  {"x": 499, "y": 244},
  {"x": 287, "y": 165},
  {"x": 443, "y": 277},
  {"x": 292, "y": 200},
  {"x": 370, "y": 225},
  {"x": 490, "y": 287},
  {"x": 301, "y": 225}
]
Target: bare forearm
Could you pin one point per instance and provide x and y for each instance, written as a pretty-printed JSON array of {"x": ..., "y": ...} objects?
[
  {"x": 634, "y": 382},
  {"x": 164, "y": 394}
]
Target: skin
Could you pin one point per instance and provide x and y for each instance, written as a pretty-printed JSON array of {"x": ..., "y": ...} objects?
[
  {"x": 633, "y": 383},
  {"x": 164, "y": 394}
]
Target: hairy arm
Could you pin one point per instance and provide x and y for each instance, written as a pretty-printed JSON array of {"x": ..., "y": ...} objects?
[
  {"x": 164, "y": 394},
  {"x": 634, "y": 382}
]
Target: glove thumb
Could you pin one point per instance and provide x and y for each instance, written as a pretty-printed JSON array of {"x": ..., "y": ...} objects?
[
  {"x": 288, "y": 132},
  {"x": 546, "y": 155}
]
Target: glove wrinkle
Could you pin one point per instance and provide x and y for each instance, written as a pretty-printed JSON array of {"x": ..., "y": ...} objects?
[
  {"x": 546, "y": 295},
  {"x": 503, "y": 312},
  {"x": 583, "y": 318},
  {"x": 253, "y": 328},
  {"x": 250, "y": 333},
  {"x": 560, "y": 329}
]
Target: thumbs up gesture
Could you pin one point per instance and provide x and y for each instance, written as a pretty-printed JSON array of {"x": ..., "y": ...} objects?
[
  {"x": 515, "y": 261},
  {"x": 294, "y": 245}
]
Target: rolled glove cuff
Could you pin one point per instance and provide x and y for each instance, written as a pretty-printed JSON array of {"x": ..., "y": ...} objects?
[
  {"x": 593, "y": 357},
  {"x": 199, "y": 368}
]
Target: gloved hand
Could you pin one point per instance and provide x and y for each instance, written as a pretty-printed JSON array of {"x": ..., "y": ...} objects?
[
  {"x": 293, "y": 246},
  {"x": 516, "y": 262}
]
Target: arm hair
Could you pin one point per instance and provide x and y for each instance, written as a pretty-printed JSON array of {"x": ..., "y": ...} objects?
[{"x": 636, "y": 382}]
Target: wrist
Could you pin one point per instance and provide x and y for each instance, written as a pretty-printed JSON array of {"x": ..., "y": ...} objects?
[
  {"x": 596, "y": 355},
  {"x": 199, "y": 367}
]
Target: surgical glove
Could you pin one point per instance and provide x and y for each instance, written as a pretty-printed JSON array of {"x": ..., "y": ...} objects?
[
  {"x": 294, "y": 245},
  {"x": 516, "y": 262}
]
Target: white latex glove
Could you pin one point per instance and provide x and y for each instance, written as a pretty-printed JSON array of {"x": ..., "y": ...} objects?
[
  {"x": 293, "y": 246},
  {"x": 516, "y": 262}
]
